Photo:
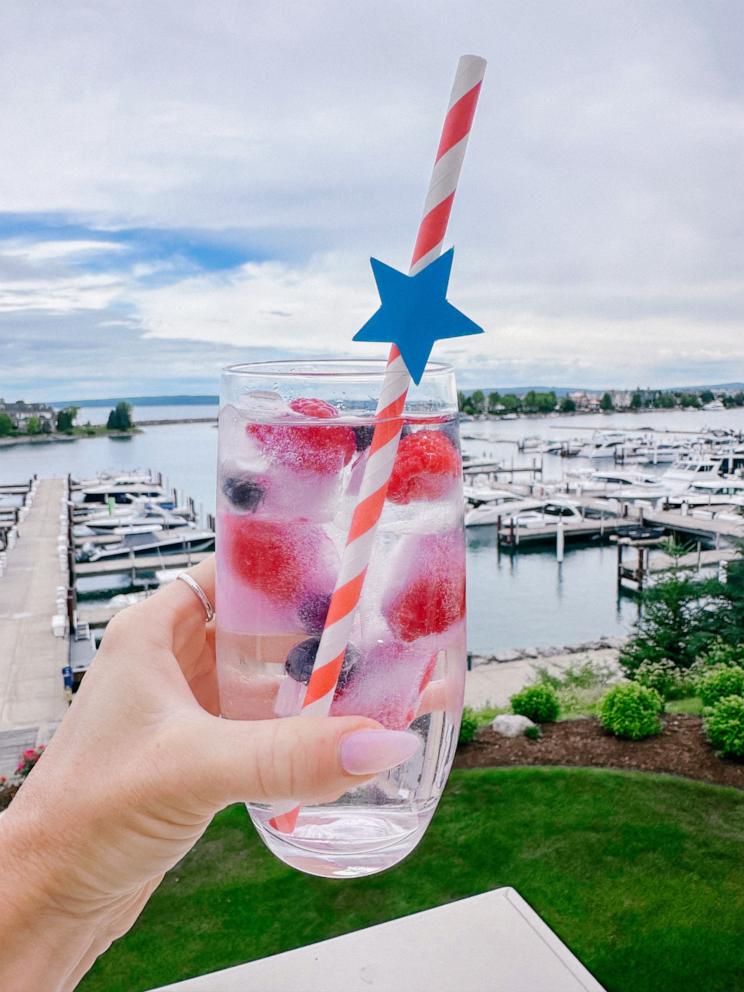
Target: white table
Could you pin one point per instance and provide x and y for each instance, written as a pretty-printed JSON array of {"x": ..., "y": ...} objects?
[{"x": 489, "y": 943}]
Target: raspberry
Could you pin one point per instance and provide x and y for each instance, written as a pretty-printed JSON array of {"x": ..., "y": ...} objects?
[
  {"x": 304, "y": 447},
  {"x": 428, "y": 605},
  {"x": 265, "y": 554},
  {"x": 426, "y": 464}
]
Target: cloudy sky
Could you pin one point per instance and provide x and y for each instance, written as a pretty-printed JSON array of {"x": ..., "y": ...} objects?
[{"x": 184, "y": 184}]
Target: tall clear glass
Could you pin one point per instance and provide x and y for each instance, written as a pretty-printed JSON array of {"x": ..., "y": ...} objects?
[{"x": 293, "y": 444}]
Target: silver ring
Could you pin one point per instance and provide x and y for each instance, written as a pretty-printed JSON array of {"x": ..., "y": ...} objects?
[{"x": 197, "y": 589}]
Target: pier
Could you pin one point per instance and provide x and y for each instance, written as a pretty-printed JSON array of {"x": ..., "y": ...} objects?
[{"x": 31, "y": 657}]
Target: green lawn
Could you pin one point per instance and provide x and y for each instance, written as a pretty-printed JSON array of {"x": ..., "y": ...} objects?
[{"x": 641, "y": 875}]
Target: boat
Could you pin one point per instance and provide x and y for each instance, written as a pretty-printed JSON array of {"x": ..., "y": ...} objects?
[
  {"x": 694, "y": 469},
  {"x": 121, "y": 492},
  {"x": 528, "y": 513},
  {"x": 175, "y": 541},
  {"x": 151, "y": 516},
  {"x": 710, "y": 492}
]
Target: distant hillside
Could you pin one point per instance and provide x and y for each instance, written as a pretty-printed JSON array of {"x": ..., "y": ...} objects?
[{"x": 141, "y": 401}]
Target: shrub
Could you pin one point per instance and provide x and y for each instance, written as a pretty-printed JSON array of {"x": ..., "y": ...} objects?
[
  {"x": 533, "y": 733},
  {"x": 537, "y": 702},
  {"x": 631, "y": 710},
  {"x": 468, "y": 726},
  {"x": 665, "y": 677},
  {"x": 717, "y": 683},
  {"x": 721, "y": 653},
  {"x": 724, "y": 725}
]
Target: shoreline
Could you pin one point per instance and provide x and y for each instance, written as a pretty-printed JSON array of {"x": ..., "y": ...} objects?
[{"x": 14, "y": 442}]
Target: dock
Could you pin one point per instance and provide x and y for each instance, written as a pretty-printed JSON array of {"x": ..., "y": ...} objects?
[
  {"x": 699, "y": 527},
  {"x": 31, "y": 657},
  {"x": 139, "y": 563}
]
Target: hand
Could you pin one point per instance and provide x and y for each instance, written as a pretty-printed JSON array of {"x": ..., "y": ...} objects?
[{"x": 132, "y": 778}]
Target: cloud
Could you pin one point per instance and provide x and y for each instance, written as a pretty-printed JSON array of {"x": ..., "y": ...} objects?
[{"x": 220, "y": 174}]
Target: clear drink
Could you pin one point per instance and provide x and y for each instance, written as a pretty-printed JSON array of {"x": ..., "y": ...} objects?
[{"x": 294, "y": 440}]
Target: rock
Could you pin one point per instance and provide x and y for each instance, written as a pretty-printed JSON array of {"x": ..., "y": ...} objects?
[
  {"x": 509, "y": 725},
  {"x": 530, "y": 653},
  {"x": 504, "y": 656}
]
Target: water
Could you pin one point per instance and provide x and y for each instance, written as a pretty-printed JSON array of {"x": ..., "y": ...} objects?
[
  {"x": 286, "y": 497},
  {"x": 514, "y": 602}
]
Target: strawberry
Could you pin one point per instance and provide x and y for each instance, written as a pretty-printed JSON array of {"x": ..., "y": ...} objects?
[
  {"x": 426, "y": 465},
  {"x": 428, "y": 605},
  {"x": 304, "y": 447}
]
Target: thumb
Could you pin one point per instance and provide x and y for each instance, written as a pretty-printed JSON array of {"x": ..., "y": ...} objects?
[{"x": 303, "y": 758}]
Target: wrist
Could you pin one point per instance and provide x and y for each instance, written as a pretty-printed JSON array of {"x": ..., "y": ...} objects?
[{"x": 44, "y": 940}]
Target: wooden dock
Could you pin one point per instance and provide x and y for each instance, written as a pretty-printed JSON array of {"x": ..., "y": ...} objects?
[
  {"x": 139, "y": 563},
  {"x": 31, "y": 657},
  {"x": 686, "y": 523}
]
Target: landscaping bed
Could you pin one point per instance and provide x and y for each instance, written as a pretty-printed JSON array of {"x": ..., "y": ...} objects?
[{"x": 680, "y": 749}]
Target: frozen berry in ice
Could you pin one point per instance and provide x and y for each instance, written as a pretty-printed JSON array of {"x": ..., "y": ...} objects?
[
  {"x": 265, "y": 554},
  {"x": 426, "y": 465},
  {"x": 300, "y": 660},
  {"x": 363, "y": 436},
  {"x": 428, "y": 605},
  {"x": 245, "y": 492},
  {"x": 304, "y": 446},
  {"x": 313, "y": 611}
]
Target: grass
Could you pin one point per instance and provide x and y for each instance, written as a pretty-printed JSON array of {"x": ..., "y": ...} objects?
[
  {"x": 692, "y": 705},
  {"x": 640, "y": 875}
]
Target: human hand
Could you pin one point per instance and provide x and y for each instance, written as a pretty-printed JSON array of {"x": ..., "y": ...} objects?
[{"x": 132, "y": 778}]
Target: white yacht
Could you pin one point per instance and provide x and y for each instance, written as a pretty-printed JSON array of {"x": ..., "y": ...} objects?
[
  {"x": 176, "y": 541},
  {"x": 526, "y": 513},
  {"x": 711, "y": 492}
]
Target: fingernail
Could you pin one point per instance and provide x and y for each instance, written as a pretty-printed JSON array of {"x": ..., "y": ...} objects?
[{"x": 366, "y": 751}]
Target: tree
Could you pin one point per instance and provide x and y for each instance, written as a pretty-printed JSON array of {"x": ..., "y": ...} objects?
[
  {"x": 511, "y": 403},
  {"x": 707, "y": 396},
  {"x": 682, "y": 616},
  {"x": 568, "y": 405},
  {"x": 33, "y": 426},
  {"x": 6, "y": 425},
  {"x": 66, "y": 419},
  {"x": 494, "y": 402},
  {"x": 120, "y": 418},
  {"x": 606, "y": 403},
  {"x": 636, "y": 400},
  {"x": 479, "y": 401},
  {"x": 46, "y": 426}
]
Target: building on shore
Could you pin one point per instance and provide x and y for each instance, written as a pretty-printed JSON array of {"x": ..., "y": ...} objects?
[{"x": 21, "y": 412}]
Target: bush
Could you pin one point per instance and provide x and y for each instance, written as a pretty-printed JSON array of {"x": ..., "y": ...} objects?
[
  {"x": 724, "y": 725},
  {"x": 537, "y": 702},
  {"x": 717, "y": 683},
  {"x": 631, "y": 710},
  {"x": 468, "y": 726},
  {"x": 664, "y": 676},
  {"x": 533, "y": 733},
  {"x": 721, "y": 653}
]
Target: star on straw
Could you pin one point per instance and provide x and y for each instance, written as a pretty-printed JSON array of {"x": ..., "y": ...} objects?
[{"x": 415, "y": 312}]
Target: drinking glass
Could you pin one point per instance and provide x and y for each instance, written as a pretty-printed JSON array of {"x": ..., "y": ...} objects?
[{"x": 294, "y": 439}]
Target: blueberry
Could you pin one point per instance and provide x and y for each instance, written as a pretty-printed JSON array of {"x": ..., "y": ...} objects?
[
  {"x": 244, "y": 492},
  {"x": 313, "y": 611},
  {"x": 299, "y": 663},
  {"x": 363, "y": 436}
]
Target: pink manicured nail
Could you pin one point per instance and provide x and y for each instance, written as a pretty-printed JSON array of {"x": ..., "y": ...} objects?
[{"x": 366, "y": 751}]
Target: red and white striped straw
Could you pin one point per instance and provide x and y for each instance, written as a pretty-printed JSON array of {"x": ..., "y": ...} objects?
[{"x": 389, "y": 414}]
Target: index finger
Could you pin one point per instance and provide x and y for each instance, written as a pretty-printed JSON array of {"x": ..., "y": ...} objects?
[{"x": 177, "y": 610}]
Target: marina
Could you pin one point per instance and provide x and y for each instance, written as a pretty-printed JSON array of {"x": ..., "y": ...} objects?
[{"x": 559, "y": 543}]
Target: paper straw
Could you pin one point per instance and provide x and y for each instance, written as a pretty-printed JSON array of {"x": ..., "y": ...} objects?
[{"x": 389, "y": 414}]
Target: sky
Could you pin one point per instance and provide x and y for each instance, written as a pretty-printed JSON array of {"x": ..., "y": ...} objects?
[{"x": 184, "y": 185}]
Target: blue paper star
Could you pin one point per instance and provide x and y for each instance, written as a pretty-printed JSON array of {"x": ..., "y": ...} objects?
[{"x": 415, "y": 313}]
